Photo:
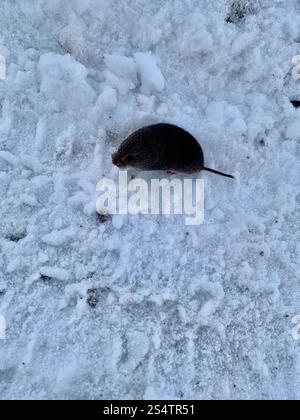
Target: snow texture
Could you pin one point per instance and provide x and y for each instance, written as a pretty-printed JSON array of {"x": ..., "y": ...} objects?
[{"x": 143, "y": 306}]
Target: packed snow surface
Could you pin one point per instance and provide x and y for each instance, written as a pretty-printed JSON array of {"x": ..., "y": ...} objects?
[{"x": 101, "y": 306}]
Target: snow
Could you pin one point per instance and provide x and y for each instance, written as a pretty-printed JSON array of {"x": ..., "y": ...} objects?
[
  {"x": 118, "y": 221},
  {"x": 144, "y": 306},
  {"x": 29, "y": 200},
  {"x": 55, "y": 273},
  {"x": 63, "y": 80},
  {"x": 108, "y": 99},
  {"x": 293, "y": 130},
  {"x": 121, "y": 66},
  {"x": 150, "y": 74},
  {"x": 59, "y": 237},
  {"x": 8, "y": 158}
]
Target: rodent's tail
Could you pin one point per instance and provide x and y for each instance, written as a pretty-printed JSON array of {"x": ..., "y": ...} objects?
[{"x": 217, "y": 172}]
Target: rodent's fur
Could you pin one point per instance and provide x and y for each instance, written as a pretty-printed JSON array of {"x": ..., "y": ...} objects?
[{"x": 163, "y": 147}]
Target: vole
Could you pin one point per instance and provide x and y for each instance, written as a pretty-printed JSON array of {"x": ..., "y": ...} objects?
[{"x": 162, "y": 147}]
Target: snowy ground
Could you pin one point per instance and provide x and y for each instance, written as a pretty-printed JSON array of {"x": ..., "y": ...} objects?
[{"x": 145, "y": 307}]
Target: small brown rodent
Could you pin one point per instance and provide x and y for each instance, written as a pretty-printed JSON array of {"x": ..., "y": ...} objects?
[{"x": 162, "y": 147}]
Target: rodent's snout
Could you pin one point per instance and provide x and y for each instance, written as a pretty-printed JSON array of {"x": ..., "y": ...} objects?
[{"x": 117, "y": 161}]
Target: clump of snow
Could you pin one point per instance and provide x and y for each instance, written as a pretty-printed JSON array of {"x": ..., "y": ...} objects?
[
  {"x": 149, "y": 72},
  {"x": 71, "y": 38},
  {"x": 108, "y": 99},
  {"x": 122, "y": 66}
]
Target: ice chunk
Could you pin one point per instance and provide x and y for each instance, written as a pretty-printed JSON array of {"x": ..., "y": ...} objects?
[
  {"x": 108, "y": 99},
  {"x": 122, "y": 66},
  {"x": 40, "y": 133},
  {"x": 149, "y": 72},
  {"x": 71, "y": 38}
]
